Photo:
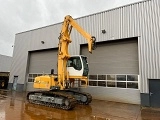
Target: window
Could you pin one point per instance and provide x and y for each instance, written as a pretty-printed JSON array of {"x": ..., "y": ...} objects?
[
  {"x": 30, "y": 75},
  {"x": 101, "y": 77},
  {"x": 30, "y": 80},
  {"x": 113, "y": 80},
  {"x": 111, "y": 84},
  {"x": 111, "y": 77},
  {"x": 34, "y": 75},
  {"x": 132, "y": 78},
  {"x": 84, "y": 60},
  {"x": 132, "y": 85},
  {"x": 93, "y": 77},
  {"x": 121, "y": 77},
  {"x": 74, "y": 62},
  {"x": 69, "y": 63},
  {"x": 121, "y": 84},
  {"x": 102, "y": 83},
  {"x": 92, "y": 83}
]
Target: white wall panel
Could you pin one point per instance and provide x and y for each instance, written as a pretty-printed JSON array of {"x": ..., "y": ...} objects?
[
  {"x": 114, "y": 94},
  {"x": 5, "y": 63}
]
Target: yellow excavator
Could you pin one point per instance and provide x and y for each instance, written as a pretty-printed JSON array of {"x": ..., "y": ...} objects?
[{"x": 72, "y": 72}]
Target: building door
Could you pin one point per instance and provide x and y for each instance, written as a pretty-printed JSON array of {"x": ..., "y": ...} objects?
[
  {"x": 41, "y": 62},
  {"x": 154, "y": 92},
  {"x": 15, "y": 83},
  {"x": 111, "y": 58}
]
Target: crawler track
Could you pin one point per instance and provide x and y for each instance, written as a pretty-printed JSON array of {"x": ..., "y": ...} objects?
[
  {"x": 81, "y": 97},
  {"x": 52, "y": 99},
  {"x": 62, "y": 99}
]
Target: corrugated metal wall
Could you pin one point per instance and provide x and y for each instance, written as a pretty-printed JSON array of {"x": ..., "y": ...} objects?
[
  {"x": 5, "y": 63},
  {"x": 139, "y": 19}
]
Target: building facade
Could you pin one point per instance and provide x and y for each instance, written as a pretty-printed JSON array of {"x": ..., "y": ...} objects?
[
  {"x": 5, "y": 66},
  {"x": 124, "y": 67}
]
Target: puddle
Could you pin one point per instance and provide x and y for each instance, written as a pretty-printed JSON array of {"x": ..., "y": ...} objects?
[{"x": 13, "y": 106}]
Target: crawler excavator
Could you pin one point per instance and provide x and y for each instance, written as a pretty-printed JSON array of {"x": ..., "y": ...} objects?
[{"x": 59, "y": 92}]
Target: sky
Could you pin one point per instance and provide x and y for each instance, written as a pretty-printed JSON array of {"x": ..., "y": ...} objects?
[{"x": 22, "y": 15}]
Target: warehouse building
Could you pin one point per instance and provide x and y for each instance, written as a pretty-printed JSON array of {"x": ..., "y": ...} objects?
[
  {"x": 5, "y": 65},
  {"x": 125, "y": 66}
]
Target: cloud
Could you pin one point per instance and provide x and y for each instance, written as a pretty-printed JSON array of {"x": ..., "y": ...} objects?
[{"x": 21, "y": 15}]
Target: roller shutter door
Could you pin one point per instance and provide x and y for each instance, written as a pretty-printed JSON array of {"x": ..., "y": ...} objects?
[
  {"x": 117, "y": 57},
  {"x": 41, "y": 62}
]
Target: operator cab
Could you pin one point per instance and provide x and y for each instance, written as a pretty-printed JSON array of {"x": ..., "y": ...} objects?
[{"x": 77, "y": 66}]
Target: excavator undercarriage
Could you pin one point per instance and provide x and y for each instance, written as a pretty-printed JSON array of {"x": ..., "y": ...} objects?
[{"x": 63, "y": 99}]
